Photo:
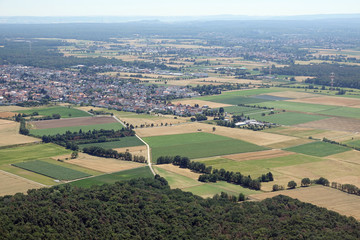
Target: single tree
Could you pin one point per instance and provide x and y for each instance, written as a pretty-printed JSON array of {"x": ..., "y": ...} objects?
[
  {"x": 292, "y": 184},
  {"x": 305, "y": 182}
]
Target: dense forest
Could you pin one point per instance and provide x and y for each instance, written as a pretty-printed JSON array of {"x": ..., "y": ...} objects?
[
  {"x": 345, "y": 75},
  {"x": 148, "y": 209}
]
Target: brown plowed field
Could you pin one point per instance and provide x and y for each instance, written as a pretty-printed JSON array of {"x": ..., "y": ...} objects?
[
  {"x": 258, "y": 155},
  {"x": 334, "y": 101},
  {"x": 256, "y": 137},
  {"x": 9, "y": 134},
  {"x": 106, "y": 165},
  {"x": 335, "y": 123},
  {"x": 11, "y": 184},
  {"x": 70, "y": 122},
  {"x": 327, "y": 197}
]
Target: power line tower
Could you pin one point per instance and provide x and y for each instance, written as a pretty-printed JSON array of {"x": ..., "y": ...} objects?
[{"x": 332, "y": 77}]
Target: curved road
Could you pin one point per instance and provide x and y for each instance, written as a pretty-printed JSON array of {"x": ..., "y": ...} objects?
[{"x": 147, "y": 146}]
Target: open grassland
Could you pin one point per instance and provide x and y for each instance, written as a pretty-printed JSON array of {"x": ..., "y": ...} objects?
[
  {"x": 289, "y": 118},
  {"x": 342, "y": 112},
  {"x": 62, "y": 130},
  {"x": 255, "y": 137},
  {"x": 257, "y": 167},
  {"x": 245, "y": 110},
  {"x": 181, "y": 171},
  {"x": 291, "y": 143},
  {"x": 72, "y": 122},
  {"x": 51, "y": 170},
  {"x": 241, "y": 93},
  {"x": 123, "y": 143},
  {"x": 11, "y": 184},
  {"x": 177, "y": 180},
  {"x": 64, "y": 112},
  {"x": 201, "y": 103},
  {"x": 141, "y": 172},
  {"x": 234, "y": 100},
  {"x": 354, "y": 143},
  {"x": 329, "y": 198},
  {"x": 319, "y": 149},
  {"x": 328, "y": 100},
  {"x": 106, "y": 165},
  {"x": 197, "y": 145},
  {"x": 335, "y": 123},
  {"x": 9, "y": 134},
  {"x": 30, "y": 152}
]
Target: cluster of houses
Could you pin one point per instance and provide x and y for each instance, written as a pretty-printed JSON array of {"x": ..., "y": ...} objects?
[{"x": 22, "y": 83}]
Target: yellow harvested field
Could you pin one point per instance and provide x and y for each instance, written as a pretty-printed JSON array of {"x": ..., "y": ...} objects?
[
  {"x": 181, "y": 171},
  {"x": 106, "y": 165},
  {"x": 292, "y": 94},
  {"x": 12, "y": 108},
  {"x": 335, "y": 124},
  {"x": 336, "y": 135},
  {"x": 135, "y": 151},
  {"x": 148, "y": 121},
  {"x": 9, "y": 134},
  {"x": 7, "y": 114},
  {"x": 258, "y": 155},
  {"x": 332, "y": 199},
  {"x": 334, "y": 101},
  {"x": 201, "y": 103},
  {"x": 333, "y": 170},
  {"x": 290, "y": 143},
  {"x": 279, "y": 179},
  {"x": 88, "y": 108},
  {"x": 11, "y": 184},
  {"x": 349, "y": 156},
  {"x": 256, "y": 137}
]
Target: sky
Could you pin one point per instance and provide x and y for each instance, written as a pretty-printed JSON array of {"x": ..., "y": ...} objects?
[{"x": 176, "y": 7}]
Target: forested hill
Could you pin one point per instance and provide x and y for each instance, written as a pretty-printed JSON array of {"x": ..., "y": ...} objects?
[{"x": 148, "y": 209}]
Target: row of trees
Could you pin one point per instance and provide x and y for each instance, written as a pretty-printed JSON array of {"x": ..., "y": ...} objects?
[
  {"x": 110, "y": 153},
  {"x": 341, "y": 144}
]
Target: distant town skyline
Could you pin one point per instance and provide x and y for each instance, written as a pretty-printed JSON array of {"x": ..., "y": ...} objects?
[{"x": 175, "y": 8}]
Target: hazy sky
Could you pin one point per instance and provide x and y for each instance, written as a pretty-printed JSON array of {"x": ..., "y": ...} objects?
[{"x": 175, "y": 7}]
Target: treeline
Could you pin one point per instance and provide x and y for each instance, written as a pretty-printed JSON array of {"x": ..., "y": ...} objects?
[
  {"x": 348, "y": 188},
  {"x": 341, "y": 144},
  {"x": 71, "y": 140},
  {"x": 345, "y": 75},
  {"x": 214, "y": 175},
  {"x": 110, "y": 153},
  {"x": 149, "y": 209},
  {"x": 216, "y": 89}
]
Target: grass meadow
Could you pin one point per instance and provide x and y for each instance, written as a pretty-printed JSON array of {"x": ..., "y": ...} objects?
[
  {"x": 288, "y": 118},
  {"x": 124, "y": 142},
  {"x": 62, "y": 130},
  {"x": 64, "y": 112}
]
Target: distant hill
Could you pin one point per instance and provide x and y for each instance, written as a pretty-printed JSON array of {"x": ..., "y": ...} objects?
[{"x": 148, "y": 209}]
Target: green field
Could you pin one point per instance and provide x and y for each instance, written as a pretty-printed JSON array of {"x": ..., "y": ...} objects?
[
  {"x": 64, "y": 112},
  {"x": 353, "y": 143},
  {"x": 288, "y": 118},
  {"x": 31, "y": 152},
  {"x": 319, "y": 149},
  {"x": 142, "y": 172},
  {"x": 124, "y": 142},
  {"x": 234, "y": 100},
  {"x": 256, "y": 168},
  {"x": 342, "y": 112},
  {"x": 62, "y": 130},
  {"x": 245, "y": 110},
  {"x": 51, "y": 170},
  {"x": 197, "y": 145},
  {"x": 295, "y": 106}
]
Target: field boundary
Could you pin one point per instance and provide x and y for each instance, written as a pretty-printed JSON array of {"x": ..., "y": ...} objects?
[{"x": 11, "y": 174}]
